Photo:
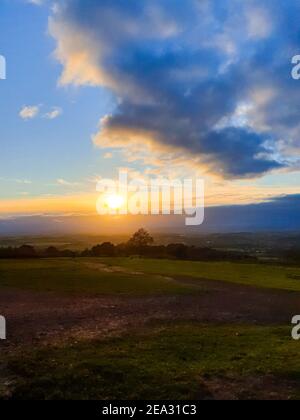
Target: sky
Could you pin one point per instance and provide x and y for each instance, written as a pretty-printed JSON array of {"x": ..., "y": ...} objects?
[{"x": 199, "y": 88}]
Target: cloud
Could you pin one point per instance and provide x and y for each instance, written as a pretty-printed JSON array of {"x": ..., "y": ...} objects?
[
  {"x": 65, "y": 183},
  {"x": 17, "y": 181},
  {"x": 53, "y": 114},
  {"x": 208, "y": 81},
  {"x": 29, "y": 112},
  {"x": 36, "y": 2},
  {"x": 23, "y": 181},
  {"x": 259, "y": 23}
]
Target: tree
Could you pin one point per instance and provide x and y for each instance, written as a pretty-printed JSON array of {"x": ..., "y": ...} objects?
[
  {"x": 52, "y": 252},
  {"x": 141, "y": 239},
  {"x": 179, "y": 251},
  {"x": 26, "y": 251},
  {"x": 106, "y": 249}
]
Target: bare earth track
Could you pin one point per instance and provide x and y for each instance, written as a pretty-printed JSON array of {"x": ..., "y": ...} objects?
[
  {"x": 38, "y": 319},
  {"x": 46, "y": 317}
]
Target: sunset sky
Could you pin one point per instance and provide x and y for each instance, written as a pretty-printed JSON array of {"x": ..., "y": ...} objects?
[{"x": 194, "y": 88}]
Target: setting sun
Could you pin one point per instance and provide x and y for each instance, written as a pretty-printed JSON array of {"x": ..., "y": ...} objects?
[{"x": 115, "y": 202}]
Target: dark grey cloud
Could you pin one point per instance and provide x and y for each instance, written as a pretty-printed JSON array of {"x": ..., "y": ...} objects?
[{"x": 206, "y": 77}]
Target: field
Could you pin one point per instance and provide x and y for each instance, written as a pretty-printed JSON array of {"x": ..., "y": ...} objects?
[
  {"x": 260, "y": 275},
  {"x": 148, "y": 329},
  {"x": 83, "y": 276}
]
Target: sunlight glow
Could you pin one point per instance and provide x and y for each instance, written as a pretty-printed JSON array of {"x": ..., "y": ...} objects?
[{"x": 115, "y": 202}]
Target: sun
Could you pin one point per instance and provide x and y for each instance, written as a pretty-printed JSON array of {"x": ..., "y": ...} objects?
[{"x": 115, "y": 202}]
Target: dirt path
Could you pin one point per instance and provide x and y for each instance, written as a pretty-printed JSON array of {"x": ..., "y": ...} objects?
[{"x": 47, "y": 317}]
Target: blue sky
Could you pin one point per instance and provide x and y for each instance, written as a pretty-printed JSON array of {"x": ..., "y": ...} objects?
[
  {"x": 200, "y": 88},
  {"x": 41, "y": 150}
]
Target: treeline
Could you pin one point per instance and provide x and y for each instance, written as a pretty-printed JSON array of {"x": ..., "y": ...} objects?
[
  {"x": 107, "y": 249},
  {"x": 141, "y": 244},
  {"x": 292, "y": 255},
  {"x": 28, "y": 251},
  {"x": 171, "y": 251}
]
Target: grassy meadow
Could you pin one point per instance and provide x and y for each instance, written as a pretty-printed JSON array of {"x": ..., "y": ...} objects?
[
  {"x": 138, "y": 276},
  {"x": 83, "y": 276},
  {"x": 178, "y": 362},
  {"x": 258, "y": 275},
  {"x": 160, "y": 357}
]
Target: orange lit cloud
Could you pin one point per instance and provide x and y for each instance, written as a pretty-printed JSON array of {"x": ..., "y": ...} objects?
[
  {"x": 216, "y": 194},
  {"x": 50, "y": 205}
]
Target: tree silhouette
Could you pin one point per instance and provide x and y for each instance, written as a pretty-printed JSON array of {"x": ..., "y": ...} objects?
[
  {"x": 141, "y": 239},
  {"x": 106, "y": 249}
]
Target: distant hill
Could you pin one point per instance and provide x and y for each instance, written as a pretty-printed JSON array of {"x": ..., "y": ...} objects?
[{"x": 280, "y": 214}]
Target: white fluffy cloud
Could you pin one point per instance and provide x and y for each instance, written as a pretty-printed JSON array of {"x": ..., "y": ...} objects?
[
  {"x": 34, "y": 111},
  {"x": 29, "y": 112},
  {"x": 53, "y": 114}
]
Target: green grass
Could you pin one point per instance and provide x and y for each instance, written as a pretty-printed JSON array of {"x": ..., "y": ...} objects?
[
  {"x": 260, "y": 275},
  {"x": 76, "y": 276},
  {"x": 166, "y": 362}
]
